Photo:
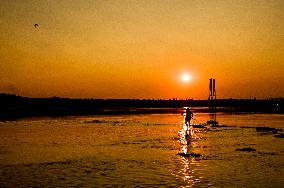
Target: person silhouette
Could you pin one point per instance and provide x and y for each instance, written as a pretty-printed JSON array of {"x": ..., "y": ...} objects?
[{"x": 188, "y": 116}]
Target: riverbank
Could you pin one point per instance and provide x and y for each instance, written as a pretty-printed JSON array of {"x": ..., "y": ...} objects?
[{"x": 13, "y": 107}]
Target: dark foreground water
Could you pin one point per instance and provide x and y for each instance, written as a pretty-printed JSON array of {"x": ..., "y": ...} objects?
[{"x": 141, "y": 151}]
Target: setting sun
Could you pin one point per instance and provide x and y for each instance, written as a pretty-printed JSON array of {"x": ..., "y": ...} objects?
[{"x": 185, "y": 77}]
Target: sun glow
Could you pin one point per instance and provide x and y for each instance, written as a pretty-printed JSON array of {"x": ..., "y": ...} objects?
[{"x": 185, "y": 77}]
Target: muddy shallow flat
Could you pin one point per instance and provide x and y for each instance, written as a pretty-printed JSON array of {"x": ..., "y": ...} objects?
[{"x": 141, "y": 150}]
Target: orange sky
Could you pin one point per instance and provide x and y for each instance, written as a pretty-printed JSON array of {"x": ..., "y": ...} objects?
[{"x": 139, "y": 49}]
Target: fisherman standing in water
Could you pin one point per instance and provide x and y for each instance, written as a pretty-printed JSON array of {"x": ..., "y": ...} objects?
[{"x": 188, "y": 116}]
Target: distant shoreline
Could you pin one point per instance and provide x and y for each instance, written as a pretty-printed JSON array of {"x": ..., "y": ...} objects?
[{"x": 13, "y": 107}]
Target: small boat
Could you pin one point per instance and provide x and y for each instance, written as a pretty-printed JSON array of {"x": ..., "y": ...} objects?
[
  {"x": 198, "y": 125},
  {"x": 213, "y": 123}
]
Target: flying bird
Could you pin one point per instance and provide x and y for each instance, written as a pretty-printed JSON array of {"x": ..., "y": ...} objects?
[{"x": 36, "y": 25}]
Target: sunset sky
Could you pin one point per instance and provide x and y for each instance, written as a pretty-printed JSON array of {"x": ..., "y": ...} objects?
[{"x": 141, "y": 48}]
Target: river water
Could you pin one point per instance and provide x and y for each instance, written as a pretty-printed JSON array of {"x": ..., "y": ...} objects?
[{"x": 142, "y": 151}]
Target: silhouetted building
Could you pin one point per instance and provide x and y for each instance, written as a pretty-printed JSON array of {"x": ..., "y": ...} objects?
[{"x": 212, "y": 89}]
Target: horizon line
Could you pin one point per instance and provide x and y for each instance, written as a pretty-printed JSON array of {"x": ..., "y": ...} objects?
[{"x": 172, "y": 99}]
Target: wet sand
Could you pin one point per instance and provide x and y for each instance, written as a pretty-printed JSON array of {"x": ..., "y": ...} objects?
[{"x": 141, "y": 150}]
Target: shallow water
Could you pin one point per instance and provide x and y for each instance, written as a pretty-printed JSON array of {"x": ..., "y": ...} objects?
[{"x": 141, "y": 151}]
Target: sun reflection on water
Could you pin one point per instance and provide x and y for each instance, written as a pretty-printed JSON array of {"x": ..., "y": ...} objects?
[
  {"x": 188, "y": 174},
  {"x": 190, "y": 161}
]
